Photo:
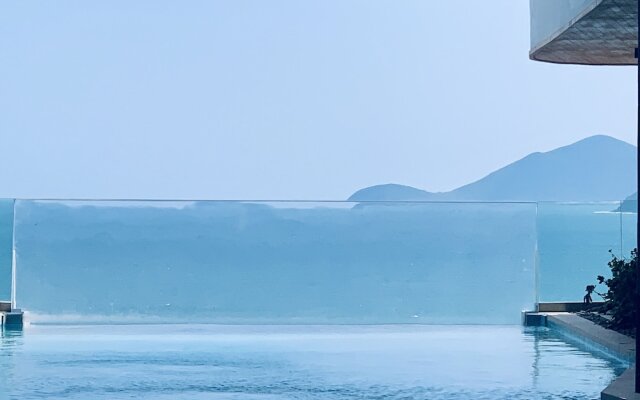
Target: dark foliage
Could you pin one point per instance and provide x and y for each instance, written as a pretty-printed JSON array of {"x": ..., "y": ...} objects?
[{"x": 620, "y": 296}]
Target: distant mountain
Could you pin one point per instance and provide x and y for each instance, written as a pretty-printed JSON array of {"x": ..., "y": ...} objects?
[
  {"x": 597, "y": 168},
  {"x": 391, "y": 192},
  {"x": 630, "y": 204}
]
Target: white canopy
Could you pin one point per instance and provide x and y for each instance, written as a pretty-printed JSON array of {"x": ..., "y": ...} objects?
[{"x": 591, "y": 32}]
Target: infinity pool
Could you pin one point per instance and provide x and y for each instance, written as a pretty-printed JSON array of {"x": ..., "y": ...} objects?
[{"x": 298, "y": 362}]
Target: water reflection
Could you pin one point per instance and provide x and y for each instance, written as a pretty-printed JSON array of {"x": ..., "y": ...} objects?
[
  {"x": 11, "y": 342},
  {"x": 305, "y": 362},
  {"x": 534, "y": 334},
  {"x": 556, "y": 358}
]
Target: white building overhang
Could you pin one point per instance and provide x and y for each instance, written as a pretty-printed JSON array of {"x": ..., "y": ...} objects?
[{"x": 590, "y": 32}]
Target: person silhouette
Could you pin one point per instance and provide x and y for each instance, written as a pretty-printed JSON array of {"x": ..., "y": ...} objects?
[{"x": 587, "y": 297}]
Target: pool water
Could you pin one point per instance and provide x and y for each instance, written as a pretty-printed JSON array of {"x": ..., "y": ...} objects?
[{"x": 298, "y": 362}]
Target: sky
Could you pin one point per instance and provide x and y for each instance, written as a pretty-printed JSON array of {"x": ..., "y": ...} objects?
[{"x": 282, "y": 99}]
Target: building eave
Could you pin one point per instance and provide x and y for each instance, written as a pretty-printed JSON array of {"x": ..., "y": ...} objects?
[{"x": 603, "y": 33}]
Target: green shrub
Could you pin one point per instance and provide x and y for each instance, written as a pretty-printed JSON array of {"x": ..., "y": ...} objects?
[{"x": 620, "y": 296}]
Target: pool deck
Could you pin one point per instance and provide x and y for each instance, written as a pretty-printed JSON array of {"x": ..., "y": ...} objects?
[{"x": 615, "y": 344}]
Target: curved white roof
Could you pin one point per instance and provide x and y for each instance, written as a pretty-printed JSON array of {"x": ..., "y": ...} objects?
[{"x": 593, "y": 32}]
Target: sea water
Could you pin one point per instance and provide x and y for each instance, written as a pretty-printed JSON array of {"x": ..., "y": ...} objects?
[
  {"x": 275, "y": 263},
  {"x": 298, "y": 362},
  {"x": 306, "y": 262}
]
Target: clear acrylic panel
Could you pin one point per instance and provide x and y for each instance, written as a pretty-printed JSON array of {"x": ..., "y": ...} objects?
[
  {"x": 278, "y": 262},
  {"x": 6, "y": 247},
  {"x": 574, "y": 240}
]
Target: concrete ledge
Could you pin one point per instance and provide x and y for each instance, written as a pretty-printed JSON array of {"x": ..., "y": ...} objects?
[
  {"x": 606, "y": 340},
  {"x": 622, "y": 388},
  {"x": 534, "y": 319},
  {"x": 567, "y": 306},
  {"x": 13, "y": 320}
]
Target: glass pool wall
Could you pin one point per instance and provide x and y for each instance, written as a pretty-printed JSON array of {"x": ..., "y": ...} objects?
[
  {"x": 575, "y": 243},
  {"x": 305, "y": 262},
  {"x": 275, "y": 262}
]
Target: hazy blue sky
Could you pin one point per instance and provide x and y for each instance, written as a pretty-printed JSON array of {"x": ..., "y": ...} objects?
[{"x": 282, "y": 99}]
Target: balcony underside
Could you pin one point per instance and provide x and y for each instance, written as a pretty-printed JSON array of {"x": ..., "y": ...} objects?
[{"x": 606, "y": 34}]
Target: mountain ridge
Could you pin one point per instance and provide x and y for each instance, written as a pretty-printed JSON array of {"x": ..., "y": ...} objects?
[{"x": 597, "y": 168}]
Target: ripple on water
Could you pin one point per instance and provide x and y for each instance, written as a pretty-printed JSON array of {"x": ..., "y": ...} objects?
[{"x": 401, "y": 362}]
